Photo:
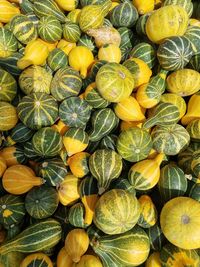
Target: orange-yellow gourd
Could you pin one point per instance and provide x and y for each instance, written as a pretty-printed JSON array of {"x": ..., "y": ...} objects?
[
  {"x": 154, "y": 260},
  {"x": 32, "y": 259},
  {"x": 3, "y": 166},
  {"x": 89, "y": 261},
  {"x": 67, "y": 5},
  {"x": 124, "y": 125},
  {"x": 65, "y": 46},
  {"x": 10, "y": 156},
  {"x": 7, "y": 11},
  {"x": 73, "y": 146},
  {"x": 144, "y": 6},
  {"x": 63, "y": 259},
  {"x": 51, "y": 46},
  {"x": 194, "y": 22},
  {"x": 193, "y": 110},
  {"x": 60, "y": 127},
  {"x": 78, "y": 164},
  {"x": 110, "y": 53}
]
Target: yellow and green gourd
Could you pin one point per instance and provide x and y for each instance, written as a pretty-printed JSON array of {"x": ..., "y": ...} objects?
[
  {"x": 10, "y": 63},
  {"x": 194, "y": 192},
  {"x": 19, "y": 134},
  {"x": 195, "y": 164},
  {"x": 71, "y": 32},
  {"x": 193, "y": 109},
  {"x": 78, "y": 164},
  {"x": 156, "y": 237},
  {"x": 76, "y": 215},
  {"x": 8, "y": 116},
  {"x": 57, "y": 59},
  {"x": 8, "y": 43},
  {"x": 187, "y": 5},
  {"x": 8, "y": 86},
  {"x": 36, "y": 259},
  {"x": 193, "y": 129},
  {"x": 192, "y": 34},
  {"x": 13, "y": 155}
]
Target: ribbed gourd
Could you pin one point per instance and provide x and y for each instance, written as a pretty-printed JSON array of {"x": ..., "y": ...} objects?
[
  {"x": 26, "y": 7},
  {"x": 156, "y": 237},
  {"x": 13, "y": 155},
  {"x": 10, "y": 63},
  {"x": 8, "y": 86},
  {"x": 8, "y": 116},
  {"x": 89, "y": 260},
  {"x": 19, "y": 134},
  {"x": 175, "y": 100},
  {"x": 8, "y": 11},
  {"x": 71, "y": 32},
  {"x": 193, "y": 129},
  {"x": 36, "y": 258},
  {"x": 8, "y": 43},
  {"x": 187, "y": 5},
  {"x": 117, "y": 211},
  {"x": 192, "y": 34},
  {"x": 88, "y": 42},
  {"x": 110, "y": 53},
  {"x": 194, "y": 192},
  {"x": 141, "y": 24},
  {"x": 78, "y": 164},
  {"x": 57, "y": 59},
  {"x": 122, "y": 183},
  {"x": 195, "y": 164},
  {"x": 3, "y": 165},
  {"x": 76, "y": 215},
  {"x": 193, "y": 110}
]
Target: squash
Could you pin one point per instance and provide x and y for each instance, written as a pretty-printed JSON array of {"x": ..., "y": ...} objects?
[
  {"x": 9, "y": 63},
  {"x": 127, "y": 36},
  {"x": 193, "y": 129},
  {"x": 78, "y": 164},
  {"x": 73, "y": 15},
  {"x": 11, "y": 259},
  {"x": 36, "y": 258},
  {"x": 127, "y": 249},
  {"x": 46, "y": 232},
  {"x": 192, "y": 33},
  {"x": 89, "y": 261},
  {"x": 50, "y": 47},
  {"x": 195, "y": 192},
  {"x": 143, "y": 7},
  {"x": 88, "y": 42},
  {"x": 76, "y": 244},
  {"x": 60, "y": 127},
  {"x": 8, "y": 43},
  {"x": 183, "y": 213},
  {"x": 109, "y": 53},
  {"x": 134, "y": 144},
  {"x": 148, "y": 216},
  {"x": 141, "y": 24},
  {"x": 65, "y": 46},
  {"x": 8, "y": 86},
  {"x": 193, "y": 110},
  {"x": 174, "y": 20},
  {"x": 109, "y": 141},
  {"x": 114, "y": 82},
  {"x": 187, "y": 5},
  {"x": 68, "y": 190},
  {"x": 156, "y": 237},
  {"x": 153, "y": 260},
  {"x": 145, "y": 174},
  {"x": 71, "y": 32},
  {"x": 13, "y": 155},
  {"x": 8, "y": 11},
  {"x": 26, "y": 7},
  {"x": 105, "y": 165},
  {"x": 125, "y": 125},
  {"x": 63, "y": 259},
  {"x": 8, "y": 116},
  {"x": 122, "y": 183},
  {"x": 3, "y": 165},
  {"x": 195, "y": 164},
  {"x": 35, "y": 79},
  {"x": 81, "y": 58},
  {"x": 57, "y": 59},
  {"x": 76, "y": 215},
  {"x": 117, "y": 211},
  {"x": 70, "y": 5}
]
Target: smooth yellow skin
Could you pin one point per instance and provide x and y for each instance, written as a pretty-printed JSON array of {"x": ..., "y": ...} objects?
[
  {"x": 194, "y": 22},
  {"x": 110, "y": 53},
  {"x": 193, "y": 110},
  {"x": 89, "y": 261},
  {"x": 66, "y": 46},
  {"x": 143, "y": 98},
  {"x": 153, "y": 260},
  {"x": 51, "y": 46},
  {"x": 125, "y": 125},
  {"x": 68, "y": 5},
  {"x": 40, "y": 256},
  {"x": 75, "y": 163},
  {"x": 73, "y": 146},
  {"x": 144, "y": 6},
  {"x": 7, "y": 11},
  {"x": 60, "y": 127},
  {"x": 63, "y": 259}
]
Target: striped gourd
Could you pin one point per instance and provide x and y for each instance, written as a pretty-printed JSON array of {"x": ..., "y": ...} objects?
[
  {"x": 8, "y": 43},
  {"x": 174, "y": 53},
  {"x": 11, "y": 259},
  {"x": 13, "y": 230},
  {"x": 48, "y": 7},
  {"x": 116, "y": 212},
  {"x": 78, "y": 164},
  {"x": 36, "y": 260},
  {"x": 195, "y": 164},
  {"x": 89, "y": 196},
  {"x": 47, "y": 142},
  {"x": 194, "y": 62},
  {"x": 26, "y": 6},
  {"x": 50, "y": 29},
  {"x": 186, "y": 4},
  {"x": 37, "y": 237},
  {"x": 10, "y": 63},
  {"x": 95, "y": 68},
  {"x": 12, "y": 210},
  {"x": 53, "y": 171},
  {"x": 193, "y": 35},
  {"x": 92, "y": 2},
  {"x": 8, "y": 116},
  {"x": 134, "y": 144},
  {"x": 165, "y": 114},
  {"x": 35, "y": 79},
  {"x": 13, "y": 155},
  {"x": 195, "y": 192},
  {"x": 88, "y": 42},
  {"x": 145, "y": 52},
  {"x": 7, "y": 11},
  {"x": 171, "y": 255},
  {"x": 141, "y": 24},
  {"x": 57, "y": 59},
  {"x": 8, "y": 86},
  {"x": 76, "y": 215},
  {"x": 3, "y": 166},
  {"x": 66, "y": 82},
  {"x": 193, "y": 129},
  {"x": 75, "y": 112},
  {"x": 107, "y": 23},
  {"x": 33, "y": 18},
  {"x": 156, "y": 237},
  {"x": 71, "y": 32},
  {"x": 73, "y": 15},
  {"x": 172, "y": 182},
  {"x": 122, "y": 183},
  {"x": 148, "y": 215},
  {"x": 109, "y": 141},
  {"x": 124, "y": 15},
  {"x": 103, "y": 121},
  {"x": 29, "y": 153},
  {"x": 41, "y": 202},
  {"x": 126, "y": 37},
  {"x": 61, "y": 215},
  {"x": 105, "y": 165},
  {"x": 38, "y": 110},
  {"x": 75, "y": 140},
  {"x": 23, "y": 29},
  {"x": 19, "y": 134},
  {"x": 117, "y": 250}
]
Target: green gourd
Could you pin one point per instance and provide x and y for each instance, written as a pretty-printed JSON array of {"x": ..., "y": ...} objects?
[
  {"x": 76, "y": 215},
  {"x": 20, "y": 133},
  {"x": 57, "y": 59},
  {"x": 71, "y": 32},
  {"x": 156, "y": 237},
  {"x": 195, "y": 192},
  {"x": 8, "y": 86},
  {"x": 193, "y": 129},
  {"x": 193, "y": 35},
  {"x": 122, "y": 183},
  {"x": 10, "y": 63},
  {"x": 8, "y": 43}
]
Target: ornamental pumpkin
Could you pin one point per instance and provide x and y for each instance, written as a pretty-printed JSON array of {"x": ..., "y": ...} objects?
[
  {"x": 3, "y": 165},
  {"x": 143, "y": 6},
  {"x": 110, "y": 53},
  {"x": 8, "y": 86},
  {"x": 63, "y": 259},
  {"x": 13, "y": 155},
  {"x": 187, "y": 5},
  {"x": 148, "y": 215},
  {"x": 8, "y": 11},
  {"x": 8, "y": 43},
  {"x": 76, "y": 215},
  {"x": 193, "y": 129},
  {"x": 78, "y": 164},
  {"x": 8, "y": 116},
  {"x": 193, "y": 110},
  {"x": 67, "y": 6}
]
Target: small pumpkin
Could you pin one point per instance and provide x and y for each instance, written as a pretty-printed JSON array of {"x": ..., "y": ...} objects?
[
  {"x": 78, "y": 164},
  {"x": 13, "y": 155},
  {"x": 193, "y": 110},
  {"x": 8, "y": 116},
  {"x": 109, "y": 53},
  {"x": 63, "y": 258}
]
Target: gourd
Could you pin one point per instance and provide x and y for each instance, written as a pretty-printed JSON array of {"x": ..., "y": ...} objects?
[
  {"x": 38, "y": 110},
  {"x": 78, "y": 164},
  {"x": 122, "y": 183},
  {"x": 89, "y": 261},
  {"x": 172, "y": 182},
  {"x": 8, "y": 116},
  {"x": 153, "y": 260},
  {"x": 183, "y": 82},
  {"x": 192, "y": 33},
  {"x": 8, "y": 86},
  {"x": 114, "y": 82},
  {"x": 193, "y": 129},
  {"x": 47, "y": 233},
  {"x": 193, "y": 110},
  {"x": 11, "y": 259},
  {"x": 88, "y": 42},
  {"x": 187, "y": 5},
  {"x": 134, "y": 144},
  {"x": 26, "y": 7},
  {"x": 13, "y": 155},
  {"x": 183, "y": 213},
  {"x": 3, "y": 165},
  {"x": 19, "y": 179},
  {"x": 109, "y": 53},
  {"x": 63, "y": 259},
  {"x": 71, "y": 32},
  {"x": 156, "y": 237},
  {"x": 71, "y": 5},
  {"x": 143, "y": 7},
  {"x": 65, "y": 46},
  {"x": 117, "y": 211},
  {"x": 41, "y": 202},
  {"x": 8, "y": 43},
  {"x": 36, "y": 258},
  {"x": 57, "y": 59},
  {"x": 76, "y": 244},
  {"x": 8, "y": 11},
  {"x": 121, "y": 247},
  {"x": 19, "y": 134},
  {"x": 35, "y": 79},
  {"x": 195, "y": 163},
  {"x": 76, "y": 215},
  {"x": 194, "y": 192},
  {"x": 60, "y": 127},
  {"x": 174, "y": 20},
  {"x": 66, "y": 83},
  {"x": 141, "y": 24},
  {"x": 109, "y": 142},
  {"x": 145, "y": 174},
  {"x": 105, "y": 165},
  {"x": 81, "y": 58},
  {"x": 9, "y": 63},
  {"x": 74, "y": 15}
]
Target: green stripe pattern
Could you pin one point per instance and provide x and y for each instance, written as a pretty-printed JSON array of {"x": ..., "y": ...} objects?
[
  {"x": 77, "y": 134},
  {"x": 186, "y": 4},
  {"x": 95, "y": 68},
  {"x": 21, "y": 133},
  {"x": 103, "y": 122},
  {"x": 195, "y": 192},
  {"x": 95, "y": 100},
  {"x": 43, "y": 235},
  {"x": 141, "y": 24},
  {"x": 76, "y": 215},
  {"x": 194, "y": 62},
  {"x": 8, "y": 86},
  {"x": 8, "y": 42},
  {"x": 38, "y": 110},
  {"x": 10, "y": 63},
  {"x": 88, "y": 187},
  {"x": 123, "y": 183},
  {"x": 156, "y": 237},
  {"x": 66, "y": 82},
  {"x": 57, "y": 59},
  {"x": 109, "y": 141},
  {"x": 193, "y": 129},
  {"x": 38, "y": 263},
  {"x": 26, "y": 6},
  {"x": 71, "y": 32},
  {"x": 193, "y": 35},
  {"x": 195, "y": 164},
  {"x": 29, "y": 153},
  {"x": 33, "y": 18},
  {"x": 126, "y": 37},
  {"x": 92, "y": 2},
  {"x": 149, "y": 215}
]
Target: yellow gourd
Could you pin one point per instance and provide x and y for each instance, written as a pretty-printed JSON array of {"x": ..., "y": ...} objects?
[
  {"x": 36, "y": 53},
  {"x": 7, "y": 11},
  {"x": 19, "y": 179},
  {"x": 63, "y": 259},
  {"x": 76, "y": 244},
  {"x": 110, "y": 53},
  {"x": 60, "y": 127},
  {"x": 148, "y": 215},
  {"x": 89, "y": 261},
  {"x": 10, "y": 156},
  {"x": 3, "y": 165},
  {"x": 51, "y": 46},
  {"x": 194, "y": 22},
  {"x": 144, "y": 6},
  {"x": 154, "y": 260},
  {"x": 68, "y": 190},
  {"x": 129, "y": 110},
  {"x": 193, "y": 110},
  {"x": 74, "y": 15},
  {"x": 81, "y": 58},
  {"x": 73, "y": 145},
  {"x": 78, "y": 164},
  {"x": 67, "y": 5},
  {"x": 114, "y": 4},
  {"x": 66, "y": 46},
  {"x": 124, "y": 125},
  {"x": 39, "y": 257}
]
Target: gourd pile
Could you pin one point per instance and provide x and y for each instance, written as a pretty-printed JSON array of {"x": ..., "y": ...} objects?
[{"x": 99, "y": 133}]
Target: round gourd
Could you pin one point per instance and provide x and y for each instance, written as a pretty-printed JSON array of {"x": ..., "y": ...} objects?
[
  {"x": 110, "y": 53},
  {"x": 143, "y": 6},
  {"x": 10, "y": 63},
  {"x": 153, "y": 260},
  {"x": 41, "y": 202},
  {"x": 109, "y": 141},
  {"x": 21, "y": 133},
  {"x": 95, "y": 68},
  {"x": 183, "y": 213},
  {"x": 174, "y": 21},
  {"x": 192, "y": 33},
  {"x": 36, "y": 260},
  {"x": 57, "y": 59},
  {"x": 195, "y": 62},
  {"x": 50, "y": 29},
  {"x": 13, "y": 155},
  {"x": 71, "y": 32},
  {"x": 47, "y": 142},
  {"x": 174, "y": 53},
  {"x": 38, "y": 110},
  {"x": 141, "y": 24},
  {"x": 76, "y": 215},
  {"x": 3, "y": 165},
  {"x": 195, "y": 164},
  {"x": 114, "y": 82},
  {"x": 156, "y": 237},
  {"x": 8, "y": 116},
  {"x": 35, "y": 79},
  {"x": 134, "y": 144},
  {"x": 8, "y": 43},
  {"x": 33, "y": 18},
  {"x": 187, "y": 5},
  {"x": 74, "y": 112},
  {"x": 78, "y": 164},
  {"x": 89, "y": 261},
  {"x": 195, "y": 192},
  {"x": 193, "y": 129},
  {"x": 66, "y": 82},
  {"x": 8, "y": 86},
  {"x": 29, "y": 153},
  {"x": 126, "y": 38},
  {"x": 122, "y": 183},
  {"x": 116, "y": 212}
]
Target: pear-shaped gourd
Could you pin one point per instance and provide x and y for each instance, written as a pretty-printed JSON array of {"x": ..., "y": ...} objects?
[
  {"x": 145, "y": 174},
  {"x": 89, "y": 261},
  {"x": 193, "y": 109},
  {"x": 63, "y": 259},
  {"x": 7, "y": 11},
  {"x": 3, "y": 166},
  {"x": 193, "y": 129},
  {"x": 19, "y": 179}
]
